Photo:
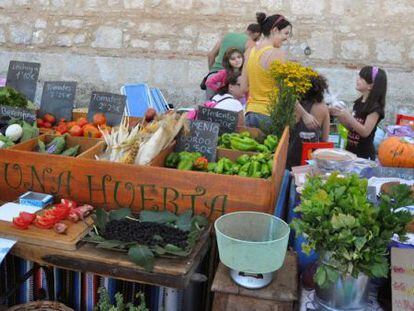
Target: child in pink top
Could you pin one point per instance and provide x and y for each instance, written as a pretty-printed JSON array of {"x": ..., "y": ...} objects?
[{"x": 233, "y": 61}]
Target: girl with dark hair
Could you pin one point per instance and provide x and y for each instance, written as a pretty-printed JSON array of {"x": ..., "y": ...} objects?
[
  {"x": 314, "y": 104},
  {"x": 232, "y": 63},
  {"x": 368, "y": 111},
  {"x": 256, "y": 78}
]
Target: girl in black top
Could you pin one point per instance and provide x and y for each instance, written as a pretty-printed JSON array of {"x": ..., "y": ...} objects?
[{"x": 368, "y": 111}]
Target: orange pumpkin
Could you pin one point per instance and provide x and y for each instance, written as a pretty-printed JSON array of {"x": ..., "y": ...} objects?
[{"x": 396, "y": 152}]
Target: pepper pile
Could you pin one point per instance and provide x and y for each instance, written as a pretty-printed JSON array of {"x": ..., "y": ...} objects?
[
  {"x": 244, "y": 142},
  {"x": 57, "y": 146},
  {"x": 256, "y": 166},
  {"x": 53, "y": 217},
  {"x": 186, "y": 161}
]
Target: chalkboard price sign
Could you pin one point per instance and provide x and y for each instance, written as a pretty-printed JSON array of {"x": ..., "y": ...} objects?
[
  {"x": 111, "y": 105},
  {"x": 18, "y": 113},
  {"x": 22, "y": 76},
  {"x": 202, "y": 138},
  {"x": 58, "y": 98},
  {"x": 227, "y": 119}
]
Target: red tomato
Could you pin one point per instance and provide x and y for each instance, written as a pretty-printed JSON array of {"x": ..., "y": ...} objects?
[
  {"x": 47, "y": 125},
  {"x": 68, "y": 203},
  {"x": 27, "y": 217},
  {"x": 62, "y": 128},
  {"x": 20, "y": 223},
  {"x": 49, "y": 118},
  {"x": 82, "y": 121},
  {"x": 40, "y": 122},
  {"x": 99, "y": 119},
  {"x": 76, "y": 130},
  {"x": 45, "y": 222}
]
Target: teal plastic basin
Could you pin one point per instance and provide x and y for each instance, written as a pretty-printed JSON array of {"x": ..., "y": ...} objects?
[{"x": 252, "y": 242}]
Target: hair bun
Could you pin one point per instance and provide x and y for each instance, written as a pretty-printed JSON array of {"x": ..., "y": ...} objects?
[{"x": 260, "y": 16}]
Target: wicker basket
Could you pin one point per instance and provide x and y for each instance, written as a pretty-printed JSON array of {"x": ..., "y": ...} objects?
[{"x": 41, "y": 305}]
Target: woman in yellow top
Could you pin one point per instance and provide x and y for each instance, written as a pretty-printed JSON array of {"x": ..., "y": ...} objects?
[{"x": 256, "y": 79}]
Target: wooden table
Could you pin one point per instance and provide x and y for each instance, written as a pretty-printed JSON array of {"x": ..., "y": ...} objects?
[
  {"x": 168, "y": 272},
  {"x": 280, "y": 295}
]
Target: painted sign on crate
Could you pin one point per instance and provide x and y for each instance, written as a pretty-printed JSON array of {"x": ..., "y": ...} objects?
[
  {"x": 203, "y": 137},
  {"x": 111, "y": 105},
  {"x": 227, "y": 119},
  {"x": 58, "y": 98},
  {"x": 22, "y": 76}
]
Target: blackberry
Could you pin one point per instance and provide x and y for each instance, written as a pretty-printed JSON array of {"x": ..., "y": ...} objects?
[{"x": 127, "y": 230}]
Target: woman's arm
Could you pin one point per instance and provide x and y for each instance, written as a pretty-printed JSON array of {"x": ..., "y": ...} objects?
[
  {"x": 309, "y": 120},
  {"x": 211, "y": 56},
  {"x": 321, "y": 112},
  {"x": 326, "y": 126},
  {"x": 217, "y": 80},
  {"x": 244, "y": 80},
  {"x": 347, "y": 120}
]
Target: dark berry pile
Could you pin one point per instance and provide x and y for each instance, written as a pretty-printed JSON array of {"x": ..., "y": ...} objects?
[{"x": 147, "y": 233}]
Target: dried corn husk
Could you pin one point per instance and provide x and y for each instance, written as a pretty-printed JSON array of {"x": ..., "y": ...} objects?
[{"x": 168, "y": 129}]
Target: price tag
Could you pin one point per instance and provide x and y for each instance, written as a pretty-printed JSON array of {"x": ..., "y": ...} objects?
[{"x": 203, "y": 137}]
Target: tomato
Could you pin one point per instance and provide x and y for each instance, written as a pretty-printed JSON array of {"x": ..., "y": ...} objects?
[
  {"x": 20, "y": 223},
  {"x": 105, "y": 127},
  {"x": 27, "y": 217},
  {"x": 49, "y": 118},
  {"x": 82, "y": 121},
  {"x": 68, "y": 203},
  {"x": 76, "y": 130},
  {"x": 47, "y": 125},
  {"x": 45, "y": 222},
  {"x": 39, "y": 122},
  {"x": 99, "y": 119},
  {"x": 62, "y": 128},
  {"x": 91, "y": 131},
  {"x": 70, "y": 124}
]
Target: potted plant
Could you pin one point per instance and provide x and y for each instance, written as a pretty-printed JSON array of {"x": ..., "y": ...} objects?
[{"x": 350, "y": 234}]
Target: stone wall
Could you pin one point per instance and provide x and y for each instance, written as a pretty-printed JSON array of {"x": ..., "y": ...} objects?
[{"x": 105, "y": 43}]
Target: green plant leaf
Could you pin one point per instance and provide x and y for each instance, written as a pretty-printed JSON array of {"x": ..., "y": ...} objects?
[
  {"x": 379, "y": 270},
  {"x": 184, "y": 220},
  {"x": 142, "y": 256},
  {"x": 94, "y": 238},
  {"x": 321, "y": 276},
  {"x": 119, "y": 213},
  {"x": 198, "y": 221},
  {"x": 159, "y": 217},
  {"x": 175, "y": 250},
  {"x": 159, "y": 250},
  {"x": 101, "y": 219},
  {"x": 110, "y": 244}
]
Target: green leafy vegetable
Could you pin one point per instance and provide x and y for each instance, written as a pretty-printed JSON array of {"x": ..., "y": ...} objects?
[
  {"x": 119, "y": 213},
  {"x": 142, "y": 256},
  {"x": 350, "y": 234}
]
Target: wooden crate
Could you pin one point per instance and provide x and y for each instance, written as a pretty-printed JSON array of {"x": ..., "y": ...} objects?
[
  {"x": 114, "y": 185},
  {"x": 85, "y": 144}
]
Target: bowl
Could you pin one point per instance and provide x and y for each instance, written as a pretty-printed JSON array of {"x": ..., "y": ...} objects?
[
  {"x": 252, "y": 242},
  {"x": 333, "y": 158}
]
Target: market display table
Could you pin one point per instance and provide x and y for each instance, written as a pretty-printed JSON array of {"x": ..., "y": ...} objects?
[
  {"x": 280, "y": 295},
  {"x": 168, "y": 272}
]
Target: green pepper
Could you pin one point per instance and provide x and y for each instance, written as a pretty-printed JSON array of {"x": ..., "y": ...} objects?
[
  {"x": 57, "y": 145},
  {"x": 219, "y": 167},
  {"x": 271, "y": 142},
  {"x": 262, "y": 157},
  {"x": 185, "y": 164},
  {"x": 41, "y": 146},
  {"x": 244, "y": 134},
  {"x": 71, "y": 152},
  {"x": 262, "y": 148},
  {"x": 227, "y": 165},
  {"x": 243, "y": 143},
  {"x": 265, "y": 171},
  {"x": 270, "y": 164},
  {"x": 243, "y": 159},
  {"x": 224, "y": 140},
  {"x": 185, "y": 155},
  {"x": 255, "y": 169},
  {"x": 235, "y": 169},
  {"x": 211, "y": 166},
  {"x": 172, "y": 160},
  {"x": 244, "y": 170}
]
